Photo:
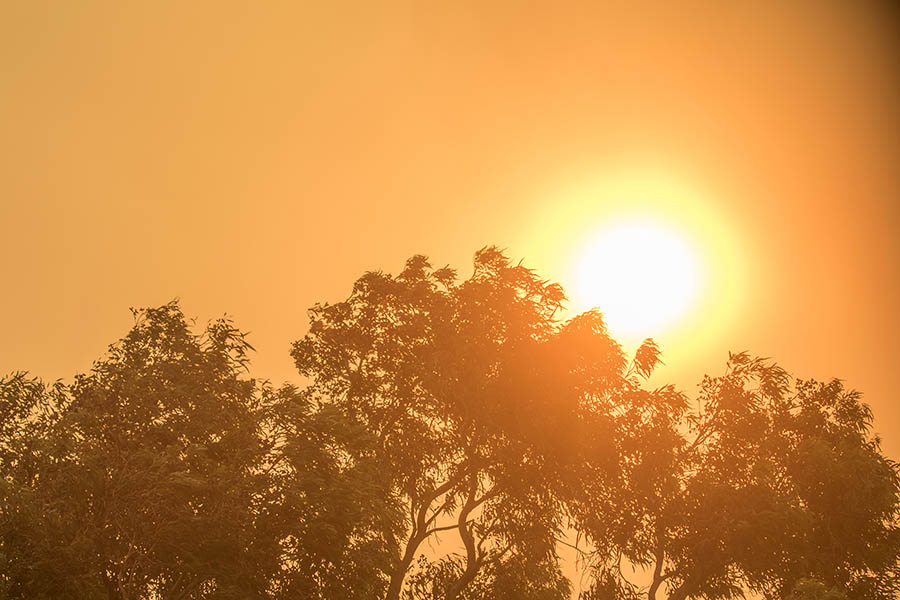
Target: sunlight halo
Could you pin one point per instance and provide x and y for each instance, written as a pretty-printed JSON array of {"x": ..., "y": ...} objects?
[
  {"x": 643, "y": 274},
  {"x": 659, "y": 255}
]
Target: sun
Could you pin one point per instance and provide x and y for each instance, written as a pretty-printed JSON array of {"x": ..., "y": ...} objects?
[
  {"x": 644, "y": 276},
  {"x": 656, "y": 250}
]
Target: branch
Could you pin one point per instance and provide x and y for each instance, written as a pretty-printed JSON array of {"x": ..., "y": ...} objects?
[
  {"x": 438, "y": 510},
  {"x": 437, "y": 529},
  {"x": 583, "y": 553},
  {"x": 472, "y": 560},
  {"x": 494, "y": 491},
  {"x": 421, "y": 523},
  {"x": 498, "y": 555}
]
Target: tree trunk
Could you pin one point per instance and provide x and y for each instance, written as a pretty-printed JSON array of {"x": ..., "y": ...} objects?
[
  {"x": 472, "y": 559},
  {"x": 417, "y": 536},
  {"x": 397, "y": 577},
  {"x": 651, "y": 593},
  {"x": 659, "y": 557}
]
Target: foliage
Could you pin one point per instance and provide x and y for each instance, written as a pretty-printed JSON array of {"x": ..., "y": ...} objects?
[
  {"x": 767, "y": 483},
  {"x": 146, "y": 480},
  {"x": 329, "y": 502},
  {"x": 517, "y": 577},
  {"x": 811, "y": 589},
  {"x": 434, "y": 409},
  {"x": 482, "y": 407}
]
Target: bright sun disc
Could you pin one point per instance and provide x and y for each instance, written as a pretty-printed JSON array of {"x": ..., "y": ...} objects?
[{"x": 641, "y": 274}]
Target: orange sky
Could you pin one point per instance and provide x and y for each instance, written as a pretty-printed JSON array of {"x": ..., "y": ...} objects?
[{"x": 254, "y": 158}]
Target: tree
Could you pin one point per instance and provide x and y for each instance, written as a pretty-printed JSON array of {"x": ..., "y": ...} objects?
[
  {"x": 328, "y": 504},
  {"x": 516, "y": 577},
  {"x": 486, "y": 411},
  {"x": 146, "y": 474},
  {"x": 465, "y": 410},
  {"x": 768, "y": 484},
  {"x": 165, "y": 472},
  {"x": 28, "y": 410}
]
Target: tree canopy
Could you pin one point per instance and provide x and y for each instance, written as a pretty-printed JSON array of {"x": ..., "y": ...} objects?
[{"x": 449, "y": 436}]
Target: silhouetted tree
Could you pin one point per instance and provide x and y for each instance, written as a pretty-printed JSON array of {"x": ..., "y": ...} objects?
[
  {"x": 464, "y": 411},
  {"x": 768, "y": 483},
  {"x": 485, "y": 411},
  {"x": 143, "y": 482},
  {"x": 28, "y": 410},
  {"x": 516, "y": 577},
  {"x": 330, "y": 501}
]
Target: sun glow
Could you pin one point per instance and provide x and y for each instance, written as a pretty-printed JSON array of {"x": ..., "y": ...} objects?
[
  {"x": 655, "y": 253},
  {"x": 642, "y": 274}
]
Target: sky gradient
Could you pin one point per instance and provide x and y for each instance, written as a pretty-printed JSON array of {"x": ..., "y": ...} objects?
[{"x": 256, "y": 158}]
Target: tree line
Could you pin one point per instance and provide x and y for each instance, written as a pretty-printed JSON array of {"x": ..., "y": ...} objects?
[{"x": 462, "y": 415}]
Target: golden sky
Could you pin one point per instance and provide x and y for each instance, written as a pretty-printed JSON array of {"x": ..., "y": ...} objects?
[{"x": 254, "y": 158}]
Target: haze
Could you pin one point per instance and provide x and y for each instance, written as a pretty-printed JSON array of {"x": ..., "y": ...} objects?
[{"x": 256, "y": 159}]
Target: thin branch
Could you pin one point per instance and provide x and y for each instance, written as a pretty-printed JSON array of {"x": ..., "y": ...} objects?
[{"x": 444, "y": 528}]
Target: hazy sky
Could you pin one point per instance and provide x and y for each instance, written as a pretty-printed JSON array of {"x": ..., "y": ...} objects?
[{"x": 254, "y": 158}]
